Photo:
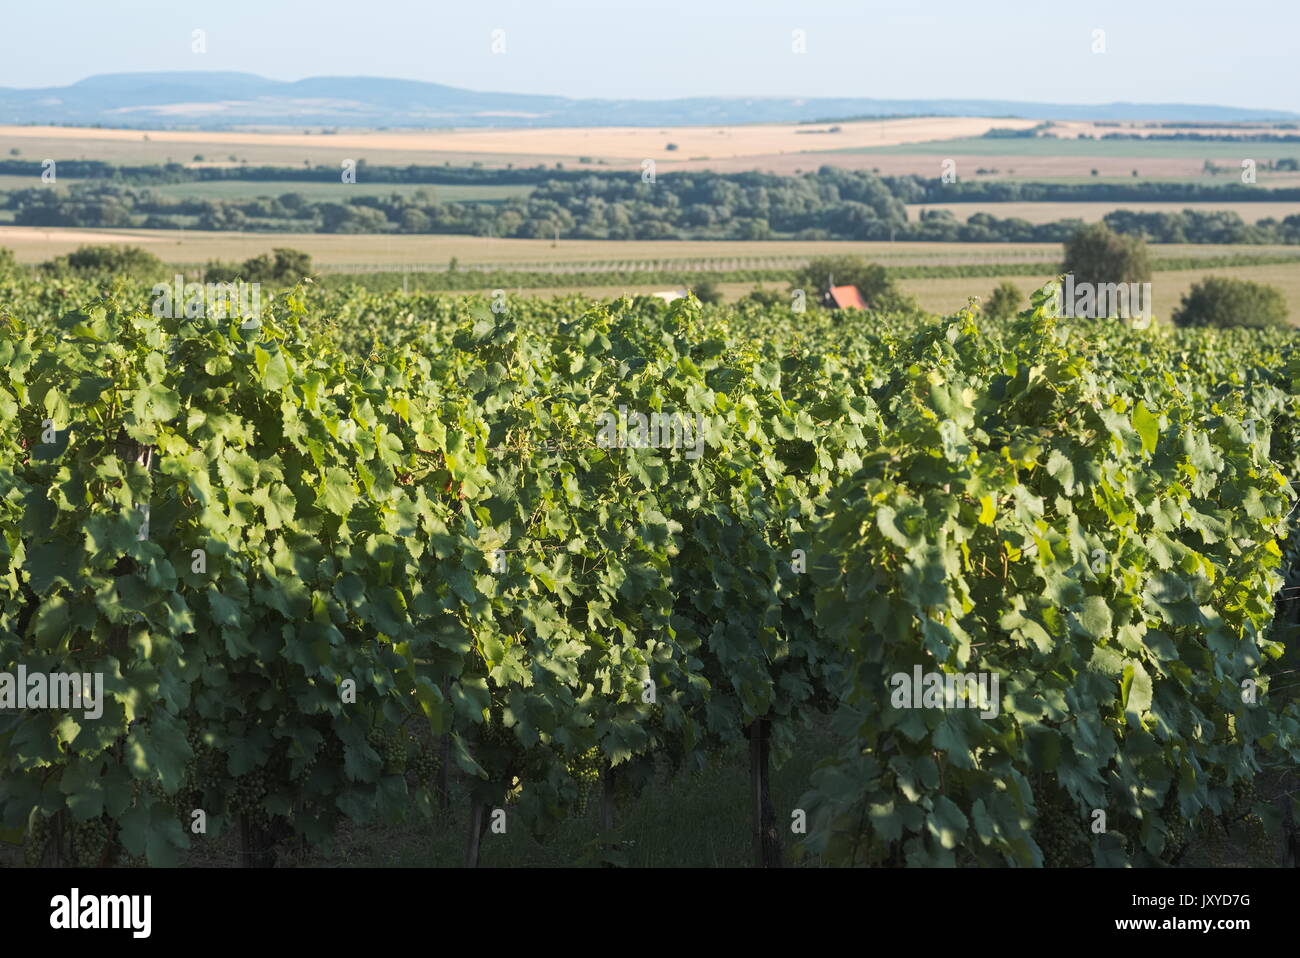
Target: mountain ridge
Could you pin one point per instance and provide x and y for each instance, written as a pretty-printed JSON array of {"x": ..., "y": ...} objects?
[{"x": 225, "y": 99}]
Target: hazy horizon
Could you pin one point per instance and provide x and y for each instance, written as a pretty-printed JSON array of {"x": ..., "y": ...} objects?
[{"x": 1186, "y": 53}]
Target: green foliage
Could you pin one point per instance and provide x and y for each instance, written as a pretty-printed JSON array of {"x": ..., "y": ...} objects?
[
  {"x": 107, "y": 261},
  {"x": 1097, "y": 255},
  {"x": 872, "y": 280},
  {"x": 1221, "y": 302},
  {"x": 1101, "y": 539},
  {"x": 707, "y": 291},
  {"x": 828, "y": 203},
  {"x": 821, "y": 273},
  {"x": 282, "y": 267},
  {"x": 1004, "y": 302},
  {"x": 410, "y": 529},
  {"x": 766, "y": 298}
]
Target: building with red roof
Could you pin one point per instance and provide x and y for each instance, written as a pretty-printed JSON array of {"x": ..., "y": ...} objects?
[{"x": 843, "y": 297}]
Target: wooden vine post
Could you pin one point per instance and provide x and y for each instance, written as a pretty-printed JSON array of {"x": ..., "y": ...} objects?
[
  {"x": 444, "y": 757},
  {"x": 607, "y": 800},
  {"x": 477, "y": 826},
  {"x": 766, "y": 837}
]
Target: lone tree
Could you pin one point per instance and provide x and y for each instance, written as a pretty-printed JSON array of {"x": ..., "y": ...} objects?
[
  {"x": 1096, "y": 254},
  {"x": 1004, "y": 302},
  {"x": 1221, "y": 302}
]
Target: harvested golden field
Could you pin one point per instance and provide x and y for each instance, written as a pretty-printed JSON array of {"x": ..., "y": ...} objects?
[
  {"x": 971, "y": 166},
  {"x": 33, "y": 244},
  {"x": 1092, "y": 212},
  {"x": 336, "y": 252},
  {"x": 620, "y": 147},
  {"x": 1071, "y": 129}
]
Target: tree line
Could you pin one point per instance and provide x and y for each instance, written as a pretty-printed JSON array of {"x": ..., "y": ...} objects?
[{"x": 830, "y": 204}]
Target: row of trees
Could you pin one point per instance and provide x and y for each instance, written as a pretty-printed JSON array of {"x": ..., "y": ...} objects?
[
  {"x": 280, "y": 267},
  {"x": 829, "y": 205},
  {"x": 907, "y": 189}
]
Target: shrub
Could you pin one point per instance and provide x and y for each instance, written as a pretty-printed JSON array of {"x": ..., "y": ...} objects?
[
  {"x": 129, "y": 261},
  {"x": 707, "y": 292},
  {"x": 1004, "y": 302},
  {"x": 282, "y": 266},
  {"x": 766, "y": 298},
  {"x": 1221, "y": 301},
  {"x": 1098, "y": 255}
]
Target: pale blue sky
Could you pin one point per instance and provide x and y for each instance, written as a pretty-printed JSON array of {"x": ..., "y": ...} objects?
[{"x": 1177, "y": 51}]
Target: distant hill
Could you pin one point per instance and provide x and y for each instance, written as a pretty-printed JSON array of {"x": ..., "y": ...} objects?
[{"x": 210, "y": 100}]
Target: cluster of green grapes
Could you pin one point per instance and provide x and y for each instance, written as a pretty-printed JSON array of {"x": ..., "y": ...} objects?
[
  {"x": 1258, "y": 840},
  {"x": 390, "y": 743},
  {"x": 1177, "y": 834},
  {"x": 90, "y": 841},
  {"x": 585, "y": 770},
  {"x": 1059, "y": 831},
  {"x": 205, "y": 771},
  {"x": 39, "y": 834},
  {"x": 248, "y": 794},
  {"x": 425, "y": 759},
  {"x": 504, "y": 753},
  {"x": 300, "y": 772}
]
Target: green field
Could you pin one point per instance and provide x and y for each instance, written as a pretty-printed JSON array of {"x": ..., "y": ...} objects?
[{"x": 1050, "y": 146}]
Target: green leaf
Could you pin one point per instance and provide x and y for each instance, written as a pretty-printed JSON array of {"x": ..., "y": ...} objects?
[
  {"x": 337, "y": 493},
  {"x": 1135, "y": 693},
  {"x": 1147, "y": 427},
  {"x": 1095, "y": 617},
  {"x": 947, "y": 823}
]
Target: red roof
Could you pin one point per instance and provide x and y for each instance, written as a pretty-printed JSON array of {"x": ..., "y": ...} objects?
[{"x": 847, "y": 297}]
